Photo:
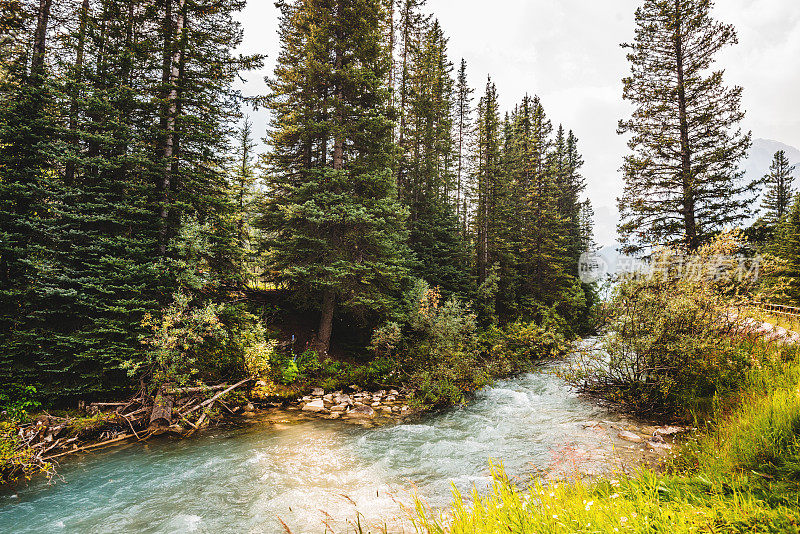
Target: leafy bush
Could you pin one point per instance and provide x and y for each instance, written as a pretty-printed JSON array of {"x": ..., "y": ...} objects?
[
  {"x": 174, "y": 346},
  {"x": 386, "y": 339},
  {"x": 16, "y": 401},
  {"x": 201, "y": 342},
  {"x": 672, "y": 344}
]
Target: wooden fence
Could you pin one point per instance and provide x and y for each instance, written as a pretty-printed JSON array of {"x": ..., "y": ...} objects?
[{"x": 778, "y": 309}]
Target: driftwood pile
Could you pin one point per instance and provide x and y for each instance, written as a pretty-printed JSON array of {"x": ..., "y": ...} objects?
[{"x": 181, "y": 411}]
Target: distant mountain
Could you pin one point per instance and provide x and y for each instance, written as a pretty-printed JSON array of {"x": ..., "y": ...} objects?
[{"x": 760, "y": 157}]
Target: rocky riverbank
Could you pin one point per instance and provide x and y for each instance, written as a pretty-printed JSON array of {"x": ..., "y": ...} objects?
[{"x": 357, "y": 405}]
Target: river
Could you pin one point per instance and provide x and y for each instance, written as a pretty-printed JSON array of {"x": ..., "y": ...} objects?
[{"x": 309, "y": 473}]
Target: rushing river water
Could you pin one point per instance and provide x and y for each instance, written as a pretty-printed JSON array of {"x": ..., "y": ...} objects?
[{"x": 308, "y": 472}]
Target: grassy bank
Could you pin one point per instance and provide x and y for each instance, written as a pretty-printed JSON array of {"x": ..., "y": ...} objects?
[{"x": 741, "y": 474}]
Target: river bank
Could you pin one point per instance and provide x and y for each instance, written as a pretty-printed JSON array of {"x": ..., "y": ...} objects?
[{"x": 290, "y": 464}]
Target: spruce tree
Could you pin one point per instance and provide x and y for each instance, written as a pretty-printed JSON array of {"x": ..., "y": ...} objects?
[
  {"x": 28, "y": 139},
  {"x": 488, "y": 180},
  {"x": 435, "y": 239},
  {"x": 778, "y": 197},
  {"x": 463, "y": 142},
  {"x": 787, "y": 246},
  {"x": 336, "y": 230},
  {"x": 682, "y": 182}
]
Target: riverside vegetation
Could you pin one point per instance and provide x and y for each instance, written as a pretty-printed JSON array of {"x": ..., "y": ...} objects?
[
  {"x": 673, "y": 349},
  {"x": 394, "y": 233}
]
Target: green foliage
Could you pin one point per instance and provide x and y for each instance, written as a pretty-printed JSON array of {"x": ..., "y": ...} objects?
[
  {"x": 386, "y": 339},
  {"x": 780, "y": 193},
  {"x": 682, "y": 178},
  {"x": 16, "y": 401},
  {"x": 786, "y": 278},
  {"x": 17, "y": 460},
  {"x": 92, "y": 208},
  {"x": 177, "y": 342},
  {"x": 671, "y": 346}
]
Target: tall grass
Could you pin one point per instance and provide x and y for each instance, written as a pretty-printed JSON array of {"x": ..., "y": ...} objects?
[{"x": 741, "y": 475}]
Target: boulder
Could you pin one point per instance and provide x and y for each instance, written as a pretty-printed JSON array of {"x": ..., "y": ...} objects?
[
  {"x": 390, "y": 398},
  {"x": 394, "y": 392},
  {"x": 342, "y": 399},
  {"x": 361, "y": 411},
  {"x": 376, "y": 404},
  {"x": 630, "y": 436},
  {"x": 339, "y": 408},
  {"x": 670, "y": 430},
  {"x": 318, "y": 392},
  {"x": 315, "y": 406}
]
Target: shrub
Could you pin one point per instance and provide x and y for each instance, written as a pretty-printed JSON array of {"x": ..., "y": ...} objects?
[{"x": 671, "y": 343}]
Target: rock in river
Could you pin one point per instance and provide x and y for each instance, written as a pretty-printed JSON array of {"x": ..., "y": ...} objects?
[
  {"x": 361, "y": 411},
  {"x": 315, "y": 406},
  {"x": 630, "y": 436}
]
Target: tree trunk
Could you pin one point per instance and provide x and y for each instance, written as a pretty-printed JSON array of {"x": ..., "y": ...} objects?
[
  {"x": 326, "y": 322},
  {"x": 170, "y": 122},
  {"x": 40, "y": 40},
  {"x": 69, "y": 173},
  {"x": 690, "y": 224}
]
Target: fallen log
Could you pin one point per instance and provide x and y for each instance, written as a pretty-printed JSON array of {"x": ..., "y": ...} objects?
[
  {"x": 162, "y": 410},
  {"x": 198, "y": 389},
  {"x": 218, "y": 395},
  {"x": 90, "y": 447},
  {"x": 209, "y": 404}
]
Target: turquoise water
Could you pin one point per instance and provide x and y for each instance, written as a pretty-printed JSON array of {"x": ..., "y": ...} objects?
[{"x": 309, "y": 474}]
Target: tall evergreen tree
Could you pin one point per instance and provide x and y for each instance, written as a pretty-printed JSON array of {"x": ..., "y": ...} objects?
[
  {"x": 86, "y": 260},
  {"x": 243, "y": 182},
  {"x": 412, "y": 23},
  {"x": 435, "y": 238},
  {"x": 787, "y": 246},
  {"x": 778, "y": 197},
  {"x": 488, "y": 180},
  {"x": 463, "y": 142},
  {"x": 336, "y": 228},
  {"x": 682, "y": 181}
]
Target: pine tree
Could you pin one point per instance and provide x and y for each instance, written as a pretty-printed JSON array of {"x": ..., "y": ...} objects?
[
  {"x": 778, "y": 197},
  {"x": 488, "y": 179},
  {"x": 463, "y": 142},
  {"x": 336, "y": 228},
  {"x": 682, "y": 179},
  {"x": 434, "y": 237},
  {"x": 28, "y": 118},
  {"x": 86, "y": 202},
  {"x": 243, "y": 182},
  {"x": 588, "y": 243},
  {"x": 788, "y": 248},
  {"x": 412, "y": 24}
]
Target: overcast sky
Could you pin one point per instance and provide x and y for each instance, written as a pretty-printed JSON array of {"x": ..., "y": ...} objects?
[{"x": 567, "y": 52}]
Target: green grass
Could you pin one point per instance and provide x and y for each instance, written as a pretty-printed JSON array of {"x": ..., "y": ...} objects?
[{"x": 741, "y": 475}]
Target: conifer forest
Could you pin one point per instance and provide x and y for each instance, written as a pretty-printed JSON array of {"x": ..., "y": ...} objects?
[{"x": 386, "y": 251}]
